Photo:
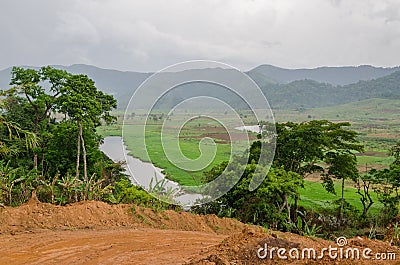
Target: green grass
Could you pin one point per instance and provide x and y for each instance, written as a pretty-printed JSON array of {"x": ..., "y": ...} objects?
[
  {"x": 110, "y": 130},
  {"x": 314, "y": 196},
  {"x": 374, "y": 160}
]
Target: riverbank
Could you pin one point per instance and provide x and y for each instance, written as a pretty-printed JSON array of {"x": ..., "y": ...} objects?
[{"x": 145, "y": 174}]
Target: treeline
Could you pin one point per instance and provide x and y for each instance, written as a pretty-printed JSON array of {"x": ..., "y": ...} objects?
[{"x": 304, "y": 148}]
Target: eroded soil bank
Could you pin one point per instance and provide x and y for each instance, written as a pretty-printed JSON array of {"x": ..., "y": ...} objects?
[{"x": 97, "y": 233}]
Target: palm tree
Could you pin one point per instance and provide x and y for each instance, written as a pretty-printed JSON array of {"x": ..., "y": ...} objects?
[{"x": 14, "y": 131}]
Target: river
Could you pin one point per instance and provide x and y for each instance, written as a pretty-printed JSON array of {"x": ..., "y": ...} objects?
[{"x": 141, "y": 172}]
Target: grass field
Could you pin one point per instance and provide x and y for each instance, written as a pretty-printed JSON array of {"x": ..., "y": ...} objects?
[
  {"x": 215, "y": 148},
  {"x": 314, "y": 196}
]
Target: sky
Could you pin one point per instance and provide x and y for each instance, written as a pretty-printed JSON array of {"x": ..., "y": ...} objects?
[{"x": 149, "y": 35}]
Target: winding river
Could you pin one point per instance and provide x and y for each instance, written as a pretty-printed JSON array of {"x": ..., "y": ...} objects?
[{"x": 141, "y": 172}]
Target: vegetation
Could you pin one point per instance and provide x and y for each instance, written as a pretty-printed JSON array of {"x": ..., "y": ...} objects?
[
  {"x": 302, "y": 149},
  {"x": 189, "y": 141},
  {"x": 312, "y": 94},
  {"x": 49, "y": 147}
]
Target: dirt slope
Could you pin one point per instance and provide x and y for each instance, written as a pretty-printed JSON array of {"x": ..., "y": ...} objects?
[
  {"x": 98, "y": 233},
  {"x": 241, "y": 248},
  {"x": 35, "y": 215}
]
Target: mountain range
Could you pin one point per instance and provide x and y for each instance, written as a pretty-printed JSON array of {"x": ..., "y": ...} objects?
[{"x": 284, "y": 88}]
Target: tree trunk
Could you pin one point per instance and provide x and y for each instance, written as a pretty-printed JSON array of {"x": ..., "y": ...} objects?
[
  {"x": 84, "y": 156},
  {"x": 78, "y": 150},
  {"x": 342, "y": 203},
  {"x": 370, "y": 201},
  {"x": 288, "y": 208},
  {"x": 296, "y": 201},
  {"x": 35, "y": 155},
  {"x": 35, "y": 160}
]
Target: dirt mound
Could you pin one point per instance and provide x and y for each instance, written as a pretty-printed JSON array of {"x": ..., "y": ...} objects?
[
  {"x": 95, "y": 232},
  {"x": 35, "y": 215},
  {"x": 242, "y": 248}
]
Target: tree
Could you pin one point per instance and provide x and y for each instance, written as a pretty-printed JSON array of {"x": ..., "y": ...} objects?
[
  {"x": 301, "y": 147},
  {"x": 395, "y": 152},
  {"x": 341, "y": 166},
  {"x": 387, "y": 184},
  {"x": 270, "y": 204},
  {"x": 363, "y": 183},
  {"x": 15, "y": 132},
  {"x": 28, "y": 82},
  {"x": 83, "y": 103}
]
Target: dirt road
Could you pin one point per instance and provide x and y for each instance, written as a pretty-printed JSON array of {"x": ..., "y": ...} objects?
[
  {"x": 112, "y": 246},
  {"x": 98, "y": 233}
]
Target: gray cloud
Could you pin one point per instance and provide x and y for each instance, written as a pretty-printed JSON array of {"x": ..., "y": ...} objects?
[{"x": 149, "y": 35}]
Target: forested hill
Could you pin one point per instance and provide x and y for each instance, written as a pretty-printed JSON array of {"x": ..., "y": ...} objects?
[
  {"x": 312, "y": 94},
  {"x": 344, "y": 75},
  {"x": 284, "y": 88}
]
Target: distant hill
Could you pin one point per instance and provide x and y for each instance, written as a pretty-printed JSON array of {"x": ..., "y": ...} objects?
[
  {"x": 312, "y": 94},
  {"x": 284, "y": 88},
  {"x": 332, "y": 75}
]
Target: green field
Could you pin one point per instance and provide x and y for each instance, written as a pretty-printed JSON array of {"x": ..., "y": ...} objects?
[
  {"x": 314, "y": 196},
  {"x": 190, "y": 143}
]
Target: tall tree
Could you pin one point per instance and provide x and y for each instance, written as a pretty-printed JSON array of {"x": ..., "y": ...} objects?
[
  {"x": 87, "y": 106},
  {"x": 342, "y": 165},
  {"x": 301, "y": 147},
  {"x": 30, "y": 84}
]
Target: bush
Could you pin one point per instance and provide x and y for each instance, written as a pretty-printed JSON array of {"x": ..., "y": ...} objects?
[{"x": 126, "y": 192}]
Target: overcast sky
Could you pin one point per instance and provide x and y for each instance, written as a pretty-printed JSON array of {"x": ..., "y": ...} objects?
[{"x": 146, "y": 35}]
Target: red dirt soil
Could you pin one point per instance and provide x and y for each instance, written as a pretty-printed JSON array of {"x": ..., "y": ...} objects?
[{"x": 98, "y": 233}]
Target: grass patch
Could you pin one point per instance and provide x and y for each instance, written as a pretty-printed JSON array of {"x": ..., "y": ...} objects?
[{"x": 314, "y": 196}]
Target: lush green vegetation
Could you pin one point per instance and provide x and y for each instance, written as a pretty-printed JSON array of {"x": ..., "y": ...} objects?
[
  {"x": 49, "y": 147},
  {"x": 313, "y": 196},
  {"x": 375, "y": 120},
  {"x": 344, "y": 201}
]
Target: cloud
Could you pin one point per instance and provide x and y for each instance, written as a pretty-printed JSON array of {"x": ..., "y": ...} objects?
[{"x": 149, "y": 35}]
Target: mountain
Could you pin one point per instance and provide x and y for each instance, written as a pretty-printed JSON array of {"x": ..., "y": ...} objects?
[
  {"x": 332, "y": 75},
  {"x": 314, "y": 88},
  {"x": 312, "y": 94}
]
